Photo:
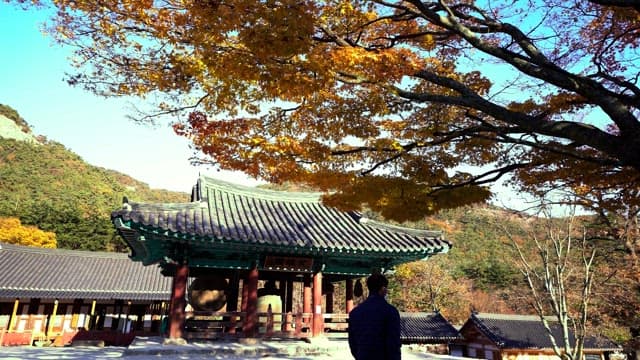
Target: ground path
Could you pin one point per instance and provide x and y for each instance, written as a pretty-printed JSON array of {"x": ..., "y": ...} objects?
[{"x": 152, "y": 348}]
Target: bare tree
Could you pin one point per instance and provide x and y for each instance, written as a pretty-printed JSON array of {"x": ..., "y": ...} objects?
[{"x": 560, "y": 280}]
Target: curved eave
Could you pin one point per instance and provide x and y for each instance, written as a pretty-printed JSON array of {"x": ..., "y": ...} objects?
[
  {"x": 139, "y": 251},
  {"x": 147, "y": 243}
]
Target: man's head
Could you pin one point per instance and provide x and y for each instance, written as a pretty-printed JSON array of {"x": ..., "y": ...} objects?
[{"x": 377, "y": 284}]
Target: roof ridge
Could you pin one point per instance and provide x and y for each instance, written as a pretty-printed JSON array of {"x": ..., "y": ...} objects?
[
  {"x": 514, "y": 317},
  {"x": 79, "y": 289},
  {"x": 419, "y": 313},
  {"x": 66, "y": 252},
  {"x": 255, "y": 192}
]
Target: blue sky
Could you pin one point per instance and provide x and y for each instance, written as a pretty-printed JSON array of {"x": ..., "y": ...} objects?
[{"x": 32, "y": 69}]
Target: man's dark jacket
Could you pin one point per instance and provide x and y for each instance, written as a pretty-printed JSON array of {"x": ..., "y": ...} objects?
[{"x": 374, "y": 330}]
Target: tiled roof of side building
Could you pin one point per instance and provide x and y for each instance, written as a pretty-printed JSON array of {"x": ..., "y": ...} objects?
[
  {"x": 71, "y": 274},
  {"x": 426, "y": 328},
  {"x": 229, "y": 212},
  {"x": 528, "y": 332}
]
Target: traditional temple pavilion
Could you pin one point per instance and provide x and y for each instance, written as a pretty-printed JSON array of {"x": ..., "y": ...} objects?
[{"x": 249, "y": 234}]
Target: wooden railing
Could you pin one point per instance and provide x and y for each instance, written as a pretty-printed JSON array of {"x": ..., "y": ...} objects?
[
  {"x": 336, "y": 324},
  {"x": 28, "y": 329},
  {"x": 209, "y": 325}
]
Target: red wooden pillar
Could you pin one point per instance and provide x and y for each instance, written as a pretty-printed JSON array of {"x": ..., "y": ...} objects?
[
  {"x": 178, "y": 301},
  {"x": 251, "y": 322},
  {"x": 306, "y": 295},
  {"x": 349, "y": 296},
  {"x": 318, "y": 321}
]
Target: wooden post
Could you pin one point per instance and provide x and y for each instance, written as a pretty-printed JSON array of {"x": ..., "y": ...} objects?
[
  {"x": 52, "y": 319},
  {"x": 14, "y": 314},
  {"x": 125, "y": 327},
  {"x": 282, "y": 287},
  {"x": 117, "y": 306},
  {"x": 232, "y": 299},
  {"x": 75, "y": 313},
  {"x": 298, "y": 320},
  {"x": 289, "y": 296},
  {"x": 245, "y": 295},
  {"x": 269, "y": 330},
  {"x": 328, "y": 304},
  {"x": 93, "y": 321},
  {"x": 178, "y": 302},
  {"x": 251, "y": 320},
  {"x": 349, "y": 296},
  {"x": 317, "y": 322},
  {"x": 233, "y": 320},
  {"x": 306, "y": 295},
  {"x": 287, "y": 322}
]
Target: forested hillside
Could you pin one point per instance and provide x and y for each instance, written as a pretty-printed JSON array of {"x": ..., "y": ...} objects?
[{"x": 46, "y": 185}]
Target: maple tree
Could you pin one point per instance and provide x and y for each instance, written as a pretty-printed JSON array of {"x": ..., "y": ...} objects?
[{"x": 381, "y": 103}]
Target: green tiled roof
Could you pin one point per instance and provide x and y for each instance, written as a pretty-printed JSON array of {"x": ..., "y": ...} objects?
[{"x": 233, "y": 220}]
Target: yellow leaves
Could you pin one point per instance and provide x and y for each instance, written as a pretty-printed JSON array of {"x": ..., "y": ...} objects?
[
  {"x": 388, "y": 65},
  {"x": 397, "y": 198},
  {"x": 404, "y": 272},
  {"x": 397, "y": 146},
  {"x": 256, "y": 140},
  {"x": 280, "y": 31},
  {"x": 13, "y": 232},
  {"x": 107, "y": 27}
]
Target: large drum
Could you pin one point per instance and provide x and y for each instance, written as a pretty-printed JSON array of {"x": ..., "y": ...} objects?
[{"x": 208, "y": 293}]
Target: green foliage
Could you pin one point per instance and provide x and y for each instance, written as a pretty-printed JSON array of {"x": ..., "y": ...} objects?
[
  {"x": 47, "y": 186},
  {"x": 479, "y": 250},
  {"x": 618, "y": 334}
]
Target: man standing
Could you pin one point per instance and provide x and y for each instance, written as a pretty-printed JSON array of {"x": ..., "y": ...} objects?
[{"x": 374, "y": 325}]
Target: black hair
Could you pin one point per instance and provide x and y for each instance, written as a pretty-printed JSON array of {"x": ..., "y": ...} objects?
[{"x": 376, "y": 282}]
